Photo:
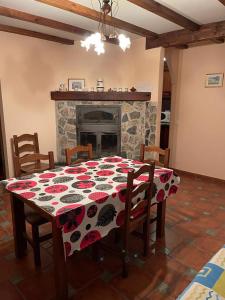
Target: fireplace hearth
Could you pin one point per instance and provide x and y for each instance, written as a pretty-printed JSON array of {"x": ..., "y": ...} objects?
[{"x": 101, "y": 127}]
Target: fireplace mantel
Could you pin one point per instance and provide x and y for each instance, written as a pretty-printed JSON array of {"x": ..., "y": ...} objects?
[{"x": 100, "y": 96}]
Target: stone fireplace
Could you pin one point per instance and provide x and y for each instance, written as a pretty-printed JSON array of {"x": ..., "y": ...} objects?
[{"x": 113, "y": 127}]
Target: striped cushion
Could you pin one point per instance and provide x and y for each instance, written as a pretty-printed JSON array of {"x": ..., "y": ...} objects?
[{"x": 209, "y": 283}]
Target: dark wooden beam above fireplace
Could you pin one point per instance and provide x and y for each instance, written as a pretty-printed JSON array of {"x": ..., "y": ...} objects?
[
  {"x": 100, "y": 96},
  {"x": 223, "y": 2}
]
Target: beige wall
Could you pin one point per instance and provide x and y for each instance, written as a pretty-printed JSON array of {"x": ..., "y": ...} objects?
[
  {"x": 31, "y": 68},
  {"x": 197, "y": 137}
]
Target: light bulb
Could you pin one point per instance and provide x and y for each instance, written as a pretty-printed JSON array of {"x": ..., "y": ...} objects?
[
  {"x": 124, "y": 42},
  {"x": 94, "y": 40},
  {"x": 99, "y": 48}
]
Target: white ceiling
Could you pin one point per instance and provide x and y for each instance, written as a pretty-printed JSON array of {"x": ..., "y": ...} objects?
[{"x": 200, "y": 11}]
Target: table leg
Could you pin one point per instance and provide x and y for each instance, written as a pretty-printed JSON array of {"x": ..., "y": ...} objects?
[
  {"x": 161, "y": 216},
  {"x": 60, "y": 272},
  {"x": 19, "y": 226}
]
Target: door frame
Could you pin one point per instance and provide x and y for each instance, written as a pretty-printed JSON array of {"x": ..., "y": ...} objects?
[{"x": 3, "y": 148}]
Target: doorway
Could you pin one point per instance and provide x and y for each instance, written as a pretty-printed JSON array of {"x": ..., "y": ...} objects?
[{"x": 166, "y": 108}]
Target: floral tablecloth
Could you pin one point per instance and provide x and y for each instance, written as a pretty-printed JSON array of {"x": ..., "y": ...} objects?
[{"x": 88, "y": 199}]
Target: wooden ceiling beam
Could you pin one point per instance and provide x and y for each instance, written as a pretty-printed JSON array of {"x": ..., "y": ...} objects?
[
  {"x": 218, "y": 41},
  {"x": 95, "y": 15},
  {"x": 182, "y": 47},
  {"x": 23, "y": 16},
  {"x": 35, "y": 34},
  {"x": 210, "y": 31},
  {"x": 223, "y": 2},
  {"x": 166, "y": 13}
]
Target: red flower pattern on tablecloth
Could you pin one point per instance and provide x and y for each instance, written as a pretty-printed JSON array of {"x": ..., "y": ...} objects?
[
  {"x": 83, "y": 177},
  {"x": 47, "y": 175},
  {"x": 56, "y": 189},
  {"x": 105, "y": 173},
  {"x": 90, "y": 238},
  {"x": 173, "y": 190},
  {"x": 143, "y": 178},
  {"x": 99, "y": 197},
  {"x": 76, "y": 170},
  {"x": 84, "y": 184},
  {"x": 70, "y": 217},
  {"x": 28, "y": 195},
  {"x": 91, "y": 163},
  {"x": 121, "y": 188},
  {"x": 122, "y": 165},
  {"x": 165, "y": 177},
  {"x": 21, "y": 185},
  {"x": 160, "y": 196}
]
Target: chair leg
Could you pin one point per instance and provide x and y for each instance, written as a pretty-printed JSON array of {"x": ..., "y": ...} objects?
[
  {"x": 146, "y": 235},
  {"x": 36, "y": 246},
  {"x": 161, "y": 216}
]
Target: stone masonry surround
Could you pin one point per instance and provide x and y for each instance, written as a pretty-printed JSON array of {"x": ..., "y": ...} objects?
[{"x": 138, "y": 125}]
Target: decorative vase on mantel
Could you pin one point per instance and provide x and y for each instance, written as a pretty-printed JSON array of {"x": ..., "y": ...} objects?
[{"x": 100, "y": 85}]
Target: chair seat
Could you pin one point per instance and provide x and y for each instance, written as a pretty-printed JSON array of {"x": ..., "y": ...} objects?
[
  {"x": 32, "y": 168},
  {"x": 33, "y": 217}
]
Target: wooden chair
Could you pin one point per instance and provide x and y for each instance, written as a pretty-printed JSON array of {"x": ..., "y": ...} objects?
[
  {"x": 31, "y": 216},
  {"x": 76, "y": 150},
  {"x": 24, "y": 145},
  {"x": 137, "y": 214},
  {"x": 163, "y": 155},
  {"x": 161, "y": 206}
]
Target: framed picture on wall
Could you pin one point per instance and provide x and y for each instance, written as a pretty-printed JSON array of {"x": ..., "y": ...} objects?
[
  {"x": 76, "y": 84},
  {"x": 214, "y": 80}
]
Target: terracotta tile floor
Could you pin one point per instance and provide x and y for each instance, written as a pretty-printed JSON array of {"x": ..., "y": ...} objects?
[{"x": 195, "y": 229}]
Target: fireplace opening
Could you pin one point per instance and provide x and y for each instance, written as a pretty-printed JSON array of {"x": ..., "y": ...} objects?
[{"x": 101, "y": 127}]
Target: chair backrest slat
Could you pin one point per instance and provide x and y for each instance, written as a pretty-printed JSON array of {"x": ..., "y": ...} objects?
[
  {"x": 160, "y": 152},
  {"x": 33, "y": 158},
  {"x": 140, "y": 206},
  {"x": 141, "y": 188},
  {"x": 133, "y": 190},
  {"x": 26, "y": 148},
  {"x": 76, "y": 150},
  {"x": 24, "y": 139}
]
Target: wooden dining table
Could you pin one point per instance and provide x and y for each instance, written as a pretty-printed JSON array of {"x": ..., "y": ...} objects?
[{"x": 83, "y": 203}]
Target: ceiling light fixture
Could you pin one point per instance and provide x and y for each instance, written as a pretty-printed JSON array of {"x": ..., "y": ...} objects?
[{"x": 106, "y": 33}]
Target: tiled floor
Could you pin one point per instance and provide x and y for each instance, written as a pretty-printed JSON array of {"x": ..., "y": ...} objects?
[{"x": 195, "y": 229}]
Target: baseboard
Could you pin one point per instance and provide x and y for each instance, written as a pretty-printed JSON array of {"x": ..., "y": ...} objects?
[{"x": 199, "y": 175}]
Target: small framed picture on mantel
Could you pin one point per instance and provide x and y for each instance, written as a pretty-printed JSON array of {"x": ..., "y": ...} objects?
[
  {"x": 76, "y": 84},
  {"x": 214, "y": 80}
]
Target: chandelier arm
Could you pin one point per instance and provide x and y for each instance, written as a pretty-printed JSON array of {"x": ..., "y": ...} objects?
[{"x": 97, "y": 39}]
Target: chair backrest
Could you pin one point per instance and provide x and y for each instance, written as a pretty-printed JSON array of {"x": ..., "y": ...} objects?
[
  {"x": 141, "y": 210},
  {"x": 25, "y": 144},
  {"x": 163, "y": 155},
  {"x": 76, "y": 150},
  {"x": 36, "y": 159}
]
